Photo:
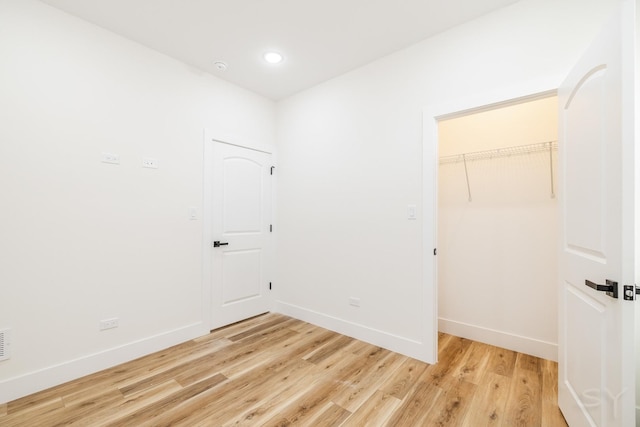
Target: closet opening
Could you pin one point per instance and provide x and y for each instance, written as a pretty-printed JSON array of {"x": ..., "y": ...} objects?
[{"x": 497, "y": 226}]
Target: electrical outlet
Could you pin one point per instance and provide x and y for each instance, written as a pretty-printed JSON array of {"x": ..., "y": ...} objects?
[
  {"x": 150, "y": 162},
  {"x": 354, "y": 301},
  {"x": 114, "y": 159},
  {"x": 108, "y": 323}
]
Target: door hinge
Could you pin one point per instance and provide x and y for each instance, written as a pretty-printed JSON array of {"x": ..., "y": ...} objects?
[
  {"x": 269, "y": 285},
  {"x": 272, "y": 168},
  {"x": 270, "y": 228},
  {"x": 630, "y": 292},
  {"x": 435, "y": 251}
]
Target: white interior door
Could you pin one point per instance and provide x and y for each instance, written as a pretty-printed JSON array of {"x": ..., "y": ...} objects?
[
  {"x": 596, "y": 356},
  {"x": 241, "y": 218}
]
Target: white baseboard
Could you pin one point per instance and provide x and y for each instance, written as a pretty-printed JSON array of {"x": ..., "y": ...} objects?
[
  {"x": 534, "y": 347},
  {"x": 409, "y": 347},
  {"x": 32, "y": 382}
]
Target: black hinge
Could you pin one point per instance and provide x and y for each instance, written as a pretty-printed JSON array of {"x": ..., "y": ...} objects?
[
  {"x": 269, "y": 285},
  {"x": 272, "y": 168},
  {"x": 435, "y": 251},
  {"x": 270, "y": 228}
]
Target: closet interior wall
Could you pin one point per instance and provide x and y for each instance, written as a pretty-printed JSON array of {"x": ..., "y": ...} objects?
[{"x": 497, "y": 250}]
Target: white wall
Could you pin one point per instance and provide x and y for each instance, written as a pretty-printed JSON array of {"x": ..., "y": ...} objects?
[
  {"x": 350, "y": 161},
  {"x": 83, "y": 240},
  {"x": 497, "y": 262}
]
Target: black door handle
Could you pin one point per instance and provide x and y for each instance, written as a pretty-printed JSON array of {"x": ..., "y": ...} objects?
[
  {"x": 217, "y": 244},
  {"x": 611, "y": 288}
]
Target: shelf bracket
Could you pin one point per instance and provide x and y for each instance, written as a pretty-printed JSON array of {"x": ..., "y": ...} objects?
[
  {"x": 553, "y": 193},
  {"x": 466, "y": 174}
]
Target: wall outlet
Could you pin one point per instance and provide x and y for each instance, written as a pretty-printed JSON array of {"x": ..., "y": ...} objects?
[
  {"x": 114, "y": 159},
  {"x": 150, "y": 162},
  {"x": 108, "y": 323},
  {"x": 354, "y": 301}
]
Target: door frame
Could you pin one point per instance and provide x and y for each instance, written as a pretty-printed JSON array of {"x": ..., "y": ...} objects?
[
  {"x": 431, "y": 115},
  {"x": 209, "y": 140}
]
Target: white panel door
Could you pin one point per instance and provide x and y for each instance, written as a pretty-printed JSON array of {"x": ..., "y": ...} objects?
[
  {"x": 241, "y": 215},
  {"x": 596, "y": 360}
]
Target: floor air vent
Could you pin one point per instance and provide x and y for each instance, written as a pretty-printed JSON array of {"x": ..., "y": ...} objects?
[{"x": 5, "y": 344}]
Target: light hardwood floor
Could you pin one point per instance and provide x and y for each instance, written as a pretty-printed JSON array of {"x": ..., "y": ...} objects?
[{"x": 276, "y": 371}]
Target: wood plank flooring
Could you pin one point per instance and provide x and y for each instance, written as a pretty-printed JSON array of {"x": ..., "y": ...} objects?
[{"x": 276, "y": 371}]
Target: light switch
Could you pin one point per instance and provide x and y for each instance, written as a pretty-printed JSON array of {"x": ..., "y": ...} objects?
[
  {"x": 193, "y": 213},
  {"x": 411, "y": 212}
]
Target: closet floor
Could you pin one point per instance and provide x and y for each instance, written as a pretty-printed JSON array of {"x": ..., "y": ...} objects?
[{"x": 276, "y": 371}]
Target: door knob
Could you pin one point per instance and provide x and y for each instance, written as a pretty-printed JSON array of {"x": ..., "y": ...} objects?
[
  {"x": 217, "y": 244},
  {"x": 611, "y": 288}
]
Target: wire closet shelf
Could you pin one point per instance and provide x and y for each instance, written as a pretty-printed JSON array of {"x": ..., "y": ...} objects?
[{"x": 516, "y": 150}]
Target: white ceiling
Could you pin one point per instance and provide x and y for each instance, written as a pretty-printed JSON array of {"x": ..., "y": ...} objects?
[{"x": 320, "y": 39}]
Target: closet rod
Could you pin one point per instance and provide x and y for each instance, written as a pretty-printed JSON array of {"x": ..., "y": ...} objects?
[{"x": 500, "y": 152}]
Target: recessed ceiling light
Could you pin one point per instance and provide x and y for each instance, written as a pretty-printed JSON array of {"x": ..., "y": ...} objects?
[
  {"x": 273, "y": 57},
  {"x": 221, "y": 66}
]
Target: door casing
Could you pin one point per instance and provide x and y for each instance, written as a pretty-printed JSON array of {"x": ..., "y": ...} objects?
[
  {"x": 209, "y": 140},
  {"x": 431, "y": 115}
]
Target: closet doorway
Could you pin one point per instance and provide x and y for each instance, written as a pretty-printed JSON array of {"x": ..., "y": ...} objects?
[{"x": 497, "y": 231}]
